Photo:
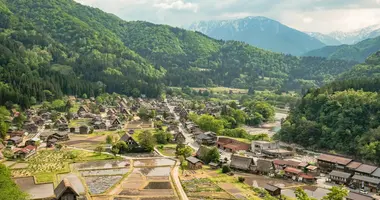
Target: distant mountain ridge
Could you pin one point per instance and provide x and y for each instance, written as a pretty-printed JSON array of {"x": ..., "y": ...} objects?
[
  {"x": 261, "y": 32},
  {"x": 356, "y": 36},
  {"x": 326, "y": 39},
  {"x": 356, "y": 52}
]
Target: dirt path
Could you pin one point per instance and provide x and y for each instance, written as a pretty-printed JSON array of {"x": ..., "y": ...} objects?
[{"x": 178, "y": 184}]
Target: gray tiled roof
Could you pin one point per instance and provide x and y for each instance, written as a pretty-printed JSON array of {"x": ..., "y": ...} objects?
[
  {"x": 366, "y": 179},
  {"x": 340, "y": 174}
]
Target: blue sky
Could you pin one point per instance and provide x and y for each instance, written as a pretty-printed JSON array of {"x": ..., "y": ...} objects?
[{"x": 306, "y": 15}]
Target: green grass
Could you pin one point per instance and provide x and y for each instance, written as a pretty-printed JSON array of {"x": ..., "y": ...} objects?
[
  {"x": 75, "y": 108},
  {"x": 79, "y": 122}
]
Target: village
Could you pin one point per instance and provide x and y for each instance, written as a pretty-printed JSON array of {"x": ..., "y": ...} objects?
[{"x": 98, "y": 150}]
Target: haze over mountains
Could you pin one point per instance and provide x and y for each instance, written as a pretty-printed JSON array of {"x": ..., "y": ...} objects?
[
  {"x": 261, "y": 32},
  {"x": 274, "y": 36}
]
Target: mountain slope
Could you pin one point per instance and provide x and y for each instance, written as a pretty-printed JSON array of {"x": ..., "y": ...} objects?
[
  {"x": 261, "y": 32},
  {"x": 342, "y": 116},
  {"x": 356, "y": 36},
  {"x": 326, "y": 39},
  {"x": 61, "y": 54},
  {"x": 73, "y": 49},
  {"x": 357, "y": 52}
]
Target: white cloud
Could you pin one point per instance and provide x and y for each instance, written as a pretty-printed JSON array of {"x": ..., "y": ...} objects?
[
  {"x": 176, "y": 5},
  {"x": 308, "y": 20}
]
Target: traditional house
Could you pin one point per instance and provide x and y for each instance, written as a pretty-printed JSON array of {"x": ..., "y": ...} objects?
[
  {"x": 32, "y": 142},
  {"x": 352, "y": 166},
  {"x": 65, "y": 191},
  {"x": 194, "y": 163},
  {"x": 60, "y": 136},
  {"x": 375, "y": 174},
  {"x": 339, "y": 177},
  {"x": 15, "y": 140},
  {"x": 180, "y": 138},
  {"x": 128, "y": 139},
  {"x": 242, "y": 163},
  {"x": 327, "y": 163},
  {"x": 38, "y": 120},
  {"x": 31, "y": 127},
  {"x": 232, "y": 145},
  {"x": 51, "y": 142},
  {"x": 271, "y": 149},
  {"x": 102, "y": 108},
  {"x": 25, "y": 152},
  {"x": 207, "y": 138},
  {"x": 46, "y": 115},
  {"x": 213, "y": 165},
  {"x": 116, "y": 122},
  {"x": 366, "y": 183},
  {"x": 272, "y": 190},
  {"x": 292, "y": 173},
  {"x": 17, "y": 133},
  {"x": 265, "y": 166},
  {"x": 100, "y": 125},
  {"x": 83, "y": 109},
  {"x": 365, "y": 170},
  {"x": 307, "y": 178},
  {"x": 63, "y": 127}
]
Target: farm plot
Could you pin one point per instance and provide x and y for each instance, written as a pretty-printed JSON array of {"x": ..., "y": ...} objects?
[
  {"x": 204, "y": 188},
  {"x": 44, "y": 165},
  {"x": 153, "y": 162},
  {"x": 99, "y": 184},
  {"x": 103, "y": 164},
  {"x": 154, "y": 171},
  {"x": 105, "y": 172},
  {"x": 20, "y": 166}
]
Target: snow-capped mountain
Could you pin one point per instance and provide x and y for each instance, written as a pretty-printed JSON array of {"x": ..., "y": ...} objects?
[
  {"x": 261, "y": 32},
  {"x": 357, "y": 35},
  {"x": 326, "y": 39}
]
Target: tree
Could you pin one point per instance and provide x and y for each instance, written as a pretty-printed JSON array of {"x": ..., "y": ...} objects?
[
  {"x": 183, "y": 150},
  {"x": 163, "y": 137},
  {"x": 226, "y": 169},
  {"x": 109, "y": 139},
  {"x": 84, "y": 96},
  {"x": 9, "y": 190},
  {"x": 213, "y": 155},
  {"x": 209, "y": 123},
  {"x": 147, "y": 141},
  {"x": 183, "y": 163},
  {"x": 122, "y": 146},
  {"x": 301, "y": 195},
  {"x": 19, "y": 120},
  {"x": 58, "y": 146},
  {"x": 336, "y": 193},
  {"x": 241, "y": 179},
  {"x": 99, "y": 149},
  {"x": 115, "y": 150}
]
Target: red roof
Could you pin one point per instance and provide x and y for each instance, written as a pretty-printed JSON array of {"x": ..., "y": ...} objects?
[
  {"x": 292, "y": 170},
  {"x": 27, "y": 149},
  {"x": 307, "y": 176},
  {"x": 334, "y": 159}
]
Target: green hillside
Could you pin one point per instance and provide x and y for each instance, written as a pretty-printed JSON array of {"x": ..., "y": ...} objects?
[
  {"x": 356, "y": 52},
  {"x": 343, "y": 116},
  {"x": 54, "y": 47}
]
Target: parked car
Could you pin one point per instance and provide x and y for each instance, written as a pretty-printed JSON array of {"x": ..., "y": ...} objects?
[{"x": 362, "y": 191}]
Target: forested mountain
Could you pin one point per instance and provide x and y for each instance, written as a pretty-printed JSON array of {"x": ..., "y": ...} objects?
[
  {"x": 55, "y": 47},
  {"x": 343, "y": 116},
  {"x": 261, "y": 32},
  {"x": 357, "y": 52},
  {"x": 47, "y": 51},
  {"x": 194, "y": 59}
]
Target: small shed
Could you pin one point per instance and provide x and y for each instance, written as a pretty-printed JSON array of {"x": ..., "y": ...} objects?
[
  {"x": 272, "y": 189},
  {"x": 194, "y": 163},
  {"x": 214, "y": 165},
  {"x": 72, "y": 130},
  {"x": 83, "y": 129}
]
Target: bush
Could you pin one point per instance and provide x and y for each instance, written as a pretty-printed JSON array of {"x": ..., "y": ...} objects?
[
  {"x": 241, "y": 179},
  {"x": 226, "y": 169}
]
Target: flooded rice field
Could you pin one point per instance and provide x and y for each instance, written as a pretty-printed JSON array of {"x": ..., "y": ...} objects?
[
  {"x": 158, "y": 185},
  {"x": 105, "y": 172},
  {"x": 153, "y": 162},
  {"x": 155, "y": 171},
  {"x": 104, "y": 164},
  {"x": 99, "y": 184},
  {"x": 35, "y": 191}
]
